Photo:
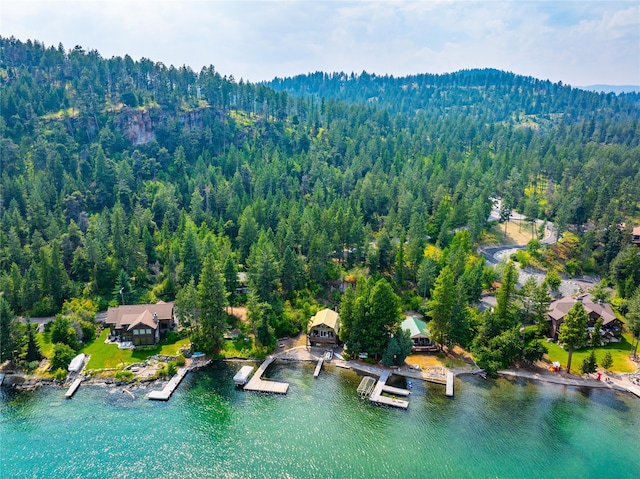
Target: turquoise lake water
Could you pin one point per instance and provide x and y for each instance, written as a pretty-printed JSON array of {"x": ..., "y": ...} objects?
[{"x": 320, "y": 429}]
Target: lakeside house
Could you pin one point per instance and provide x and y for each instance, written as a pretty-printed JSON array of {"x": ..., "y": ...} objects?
[
  {"x": 140, "y": 324},
  {"x": 420, "y": 334},
  {"x": 324, "y": 328},
  {"x": 558, "y": 309},
  {"x": 635, "y": 235}
]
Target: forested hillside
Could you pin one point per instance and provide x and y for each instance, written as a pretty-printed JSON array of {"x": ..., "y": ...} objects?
[{"x": 120, "y": 177}]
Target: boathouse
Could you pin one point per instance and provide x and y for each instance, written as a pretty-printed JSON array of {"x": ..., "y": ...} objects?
[{"x": 324, "y": 328}]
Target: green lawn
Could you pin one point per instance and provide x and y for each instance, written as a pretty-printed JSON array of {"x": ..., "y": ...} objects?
[
  {"x": 109, "y": 356},
  {"x": 44, "y": 341},
  {"x": 619, "y": 354}
]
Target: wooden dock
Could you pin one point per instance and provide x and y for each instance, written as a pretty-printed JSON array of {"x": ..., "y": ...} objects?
[
  {"x": 316, "y": 373},
  {"x": 256, "y": 383},
  {"x": 171, "y": 386},
  {"x": 74, "y": 387},
  {"x": 449, "y": 389},
  {"x": 377, "y": 397}
]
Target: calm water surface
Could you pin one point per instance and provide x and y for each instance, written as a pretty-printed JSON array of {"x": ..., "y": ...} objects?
[{"x": 491, "y": 429}]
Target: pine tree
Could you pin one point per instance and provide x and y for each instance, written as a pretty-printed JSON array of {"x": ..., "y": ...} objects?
[
  {"x": 212, "y": 301},
  {"x": 33, "y": 350},
  {"x": 6, "y": 344},
  {"x": 573, "y": 329},
  {"x": 441, "y": 305}
]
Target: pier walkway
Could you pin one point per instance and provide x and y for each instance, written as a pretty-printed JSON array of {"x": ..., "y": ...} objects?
[
  {"x": 256, "y": 383},
  {"x": 381, "y": 386},
  {"x": 316, "y": 373},
  {"x": 74, "y": 387},
  {"x": 171, "y": 386}
]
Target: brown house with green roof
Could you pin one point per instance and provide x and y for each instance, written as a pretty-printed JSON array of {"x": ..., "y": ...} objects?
[{"x": 140, "y": 324}]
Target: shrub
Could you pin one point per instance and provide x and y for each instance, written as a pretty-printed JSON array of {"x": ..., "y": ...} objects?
[
  {"x": 123, "y": 375},
  {"x": 172, "y": 369},
  {"x": 60, "y": 374},
  {"x": 180, "y": 360},
  {"x": 62, "y": 356}
]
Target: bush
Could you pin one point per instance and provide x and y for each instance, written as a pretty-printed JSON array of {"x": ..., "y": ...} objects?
[
  {"x": 180, "y": 360},
  {"x": 172, "y": 369},
  {"x": 62, "y": 356},
  {"x": 60, "y": 374},
  {"x": 123, "y": 375}
]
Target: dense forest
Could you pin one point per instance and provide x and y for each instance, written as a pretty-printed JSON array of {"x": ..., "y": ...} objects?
[{"x": 130, "y": 181}]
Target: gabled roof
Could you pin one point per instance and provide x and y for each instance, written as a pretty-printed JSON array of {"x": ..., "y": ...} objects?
[
  {"x": 326, "y": 317},
  {"x": 125, "y": 316},
  {"x": 559, "y": 308},
  {"x": 145, "y": 318},
  {"x": 416, "y": 327},
  {"x": 636, "y": 231}
]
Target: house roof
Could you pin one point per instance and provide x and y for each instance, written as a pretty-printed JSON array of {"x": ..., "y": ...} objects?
[
  {"x": 636, "y": 231},
  {"x": 128, "y": 315},
  {"x": 326, "y": 317},
  {"x": 416, "y": 327},
  {"x": 145, "y": 318},
  {"x": 559, "y": 308}
]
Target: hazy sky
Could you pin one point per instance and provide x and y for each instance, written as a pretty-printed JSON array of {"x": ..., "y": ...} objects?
[{"x": 577, "y": 42}]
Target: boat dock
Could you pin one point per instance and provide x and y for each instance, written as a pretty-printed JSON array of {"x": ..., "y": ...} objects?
[
  {"x": 316, "y": 373},
  {"x": 449, "y": 389},
  {"x": 74, "y": 387},
  {"x": 171, "y": 386},
  {"x": 256, "y": 383},
  {"x": 381, "y": 386}
]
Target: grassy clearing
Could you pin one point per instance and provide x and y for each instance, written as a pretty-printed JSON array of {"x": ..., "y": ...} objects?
[
  {"x": 44, "y": 341},
  {"x": 109, "y": 356},
  {"x": 619, "y": 354}
]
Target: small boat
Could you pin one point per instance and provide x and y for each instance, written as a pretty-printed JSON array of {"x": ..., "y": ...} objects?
[
  {"x": 76, "y": 363},
  {"x": 197, "y": 355},
  {"x": 242, "y": 377}
]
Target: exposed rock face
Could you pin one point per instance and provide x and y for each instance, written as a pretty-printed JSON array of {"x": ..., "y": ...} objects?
[{"x": 136, "y": 125}]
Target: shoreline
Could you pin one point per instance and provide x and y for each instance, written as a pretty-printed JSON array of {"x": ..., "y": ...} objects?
[{"x": 618, "y": 383}]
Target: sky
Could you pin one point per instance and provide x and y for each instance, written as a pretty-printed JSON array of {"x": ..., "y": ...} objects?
[{"x": 574, "y": 41}]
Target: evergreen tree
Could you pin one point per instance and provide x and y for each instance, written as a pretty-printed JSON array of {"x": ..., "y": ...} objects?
[
  {"x": 441, "y": 306},
  {"x": 607, "y": 361},
  {"x": 33, "y": 352},
  {"x": 573, "y": 330},
  {"x": 6, "y": 343},
  {"x": 504, "y": 311},
  {"x": 212, "y": 301},
  {"x": 230, "y": 271}
]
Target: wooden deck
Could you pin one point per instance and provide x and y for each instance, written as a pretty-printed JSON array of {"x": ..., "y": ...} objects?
[
  {"x": 256, "y": 383},
  {"x": 171, "y": 386},
  {"x": 377, "y": 397},
  {"x": 74, "y": 387},
  {"x": 316, "y": 373}
]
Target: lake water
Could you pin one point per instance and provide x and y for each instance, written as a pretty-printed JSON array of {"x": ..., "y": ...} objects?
[{"x": 320, "y": 429}]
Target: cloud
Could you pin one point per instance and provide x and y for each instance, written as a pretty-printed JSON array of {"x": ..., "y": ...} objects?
[{"x": 576, "y": 42}]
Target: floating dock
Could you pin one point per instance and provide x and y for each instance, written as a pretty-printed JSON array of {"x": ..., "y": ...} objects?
[
  {"x": 316, "y": 373},
  {"x": 256, "y": 383},
  {"x": 171, "y": 386},
  {"x": 242, "y": 377},
  {"x": 381, "y": 386},
  {"x": 449, "y": 388},
  {"x": 74, "y": 387}
]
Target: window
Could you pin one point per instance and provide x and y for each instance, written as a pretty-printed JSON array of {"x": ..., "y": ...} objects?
[
  {"x": 136, "y": 332},
  {"x": 148, "y": 331}
]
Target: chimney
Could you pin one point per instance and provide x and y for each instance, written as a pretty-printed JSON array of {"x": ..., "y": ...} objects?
[{"x": 155, "y": 318}]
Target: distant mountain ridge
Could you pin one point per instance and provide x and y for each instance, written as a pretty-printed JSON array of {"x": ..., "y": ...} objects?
[
  {"x": 617, "y": 89},
  {"x": 484, "y": 94}
]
